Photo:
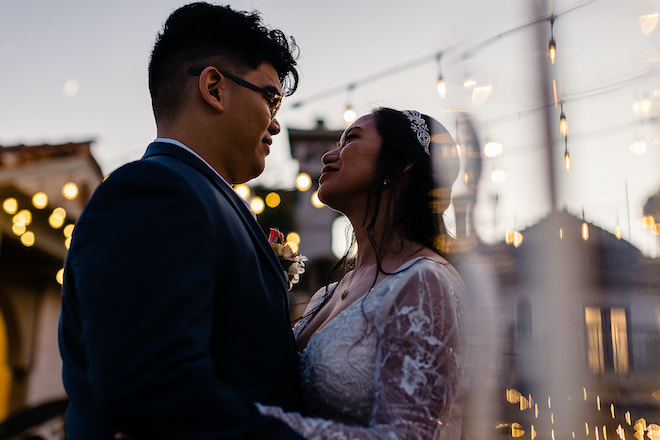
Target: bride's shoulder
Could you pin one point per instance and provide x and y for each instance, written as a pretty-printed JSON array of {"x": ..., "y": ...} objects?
[{"x": 430, "y": 276}]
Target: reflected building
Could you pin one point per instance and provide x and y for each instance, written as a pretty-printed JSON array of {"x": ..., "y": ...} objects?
[
  {"x": 651, "y": 213},
  {"x": 614, "y": 323}
]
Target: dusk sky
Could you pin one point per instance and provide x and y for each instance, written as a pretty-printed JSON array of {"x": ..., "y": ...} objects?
[{"x": 76, "y": 70}]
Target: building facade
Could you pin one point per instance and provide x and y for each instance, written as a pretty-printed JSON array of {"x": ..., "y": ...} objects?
[{"x": 43, "y": 189}]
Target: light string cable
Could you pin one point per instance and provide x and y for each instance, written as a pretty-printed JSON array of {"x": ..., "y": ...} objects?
[{"x": 460, "y": 56}]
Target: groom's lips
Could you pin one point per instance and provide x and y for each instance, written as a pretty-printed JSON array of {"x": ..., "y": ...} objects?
[{"x": 267, "y": 143}]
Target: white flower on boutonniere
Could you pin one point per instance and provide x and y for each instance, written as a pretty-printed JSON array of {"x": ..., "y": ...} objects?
[{"x": 292, "y": 263}]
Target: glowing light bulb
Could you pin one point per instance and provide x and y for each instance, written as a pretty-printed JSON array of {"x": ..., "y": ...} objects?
[
  {"x": 40, "y": 200},
  {"x": 349, "y": 115},
  {"x": 497, "y": 176},
  {"x": 70, "y": 190},
  {"x": 563, "y": 125},
  {"x": 273, "y": 200},
  {"x": 552, "y": 51},
  {"x": 242, "y": 190},
  {"x": 517, "y": 239},
  {"x": 27, "y": 239},
  {"x": 22, "y": 218},
  {"x": 493, "y": 149},
  {"x": 567, "y": 161},
  {"x": 442, "y": 87},
  {"x": 638, "y": 148},
  {"x": 643, "y": 106},
  {"x": 647, "y": 23},
  {"x": 68, "y": 231},
  {"x": 648, "y": 221},
  {"x": 257, "y": 205},
  {"x": 10, "y": 205},
  {"x": 57, "y": 218},
  {"x": 59, "y": 276},
  {"x": 303, "y": 182},
  {"x": 293, "y": 237},
  {"x": 517, "y": 430},
  {"x": 316, "y": 202}
]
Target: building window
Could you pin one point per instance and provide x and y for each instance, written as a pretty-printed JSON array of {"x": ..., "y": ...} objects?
[{"x": 607, "y": 340}]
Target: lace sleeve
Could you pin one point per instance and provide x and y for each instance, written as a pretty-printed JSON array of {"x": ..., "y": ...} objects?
[{"x": 417, "y": 372}]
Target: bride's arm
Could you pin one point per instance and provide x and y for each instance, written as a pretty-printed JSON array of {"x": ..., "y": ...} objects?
[{"x": 417, "y": 367}]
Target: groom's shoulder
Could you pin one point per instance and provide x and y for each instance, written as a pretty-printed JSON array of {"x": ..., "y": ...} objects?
[{"x": 159, "y": 169}]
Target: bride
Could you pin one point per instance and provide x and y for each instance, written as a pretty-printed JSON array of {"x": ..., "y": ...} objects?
[{"x": 380, "y": 348}]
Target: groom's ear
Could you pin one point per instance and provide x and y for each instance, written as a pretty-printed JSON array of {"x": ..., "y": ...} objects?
[{"x": 212, "y": 85}]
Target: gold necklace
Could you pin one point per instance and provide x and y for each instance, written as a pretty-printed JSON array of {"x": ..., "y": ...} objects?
[{"x": 344, "y": 294}]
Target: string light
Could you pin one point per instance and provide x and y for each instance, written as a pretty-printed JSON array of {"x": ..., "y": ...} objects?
[
  {"x": 59, "y": 276},
  {"x": 40, "y": 200},
  {"x": 22, "y": 218},
  {"x": 642, "y": 106},
  {"x": 638, "y": 148},
  {"x": 617, "y": 229},
  {"x": 242, "y": 190},
  {"x": 273, "y": 200},
  {"x": 257, "y": 205},
  {"x": 316, "y": 202},
  {"x": 563, "y": 128},
  {"x": 57, "y": 217},
  {"x": 552, "y": 46},
  {"x": 442, "y": 86},
  {"x": 70, "y": 190},
  {"x": 468, "y": 82},
  {"x": 585, "y": 237},
  {"x": 493, "y": 149},
  {"x": 293, "y": 237},
  {"x": 303, "y": 182},
  {"x": 349, "y": 114},
  {"x": 10, "y": 205},
  {"x": 27, "y": 239},
  {"x": 647, "y": 23}
]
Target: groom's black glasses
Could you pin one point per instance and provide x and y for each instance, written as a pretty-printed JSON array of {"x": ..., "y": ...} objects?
[{"x": 274, "y": 99}]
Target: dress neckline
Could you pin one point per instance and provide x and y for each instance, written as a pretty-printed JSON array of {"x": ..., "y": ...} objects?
[{"x": 331, "y": 290}]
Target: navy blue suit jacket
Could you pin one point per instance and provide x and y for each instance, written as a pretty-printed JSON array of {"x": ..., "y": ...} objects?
[{"x": 174, "y": 311}]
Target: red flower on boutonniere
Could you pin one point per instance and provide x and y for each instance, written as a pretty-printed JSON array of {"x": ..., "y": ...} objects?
[{"x": 292, "y": 263}]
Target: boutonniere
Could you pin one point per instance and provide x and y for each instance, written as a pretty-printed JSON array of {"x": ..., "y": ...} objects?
[{"x": 292, "y": 263}]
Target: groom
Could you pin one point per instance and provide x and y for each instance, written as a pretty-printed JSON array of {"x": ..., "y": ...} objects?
[{"x": 174, "y": 310}]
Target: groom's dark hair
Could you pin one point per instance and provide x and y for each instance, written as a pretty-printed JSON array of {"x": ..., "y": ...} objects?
[{"x": 199, "y": 35}]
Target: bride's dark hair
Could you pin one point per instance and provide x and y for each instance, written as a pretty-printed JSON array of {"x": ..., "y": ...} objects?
[
  {"x": 421, "y": 192},
  {"x": 416, "y": 209}
]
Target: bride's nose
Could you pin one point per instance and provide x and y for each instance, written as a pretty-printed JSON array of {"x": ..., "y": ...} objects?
[{"x": 330, "y": 156}]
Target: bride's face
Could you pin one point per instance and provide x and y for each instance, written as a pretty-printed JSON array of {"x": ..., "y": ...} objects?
[{"x": 350, "y": 170}]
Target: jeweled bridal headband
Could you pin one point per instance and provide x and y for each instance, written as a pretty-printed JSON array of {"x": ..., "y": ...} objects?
[{"x": 419, "y": 127}]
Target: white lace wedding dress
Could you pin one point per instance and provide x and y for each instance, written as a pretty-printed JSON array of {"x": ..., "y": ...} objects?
[{"x": 386, "y": 367}]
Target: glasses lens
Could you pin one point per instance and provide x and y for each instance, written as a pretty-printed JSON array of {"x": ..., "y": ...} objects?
[{"x": 275, "y": 104}]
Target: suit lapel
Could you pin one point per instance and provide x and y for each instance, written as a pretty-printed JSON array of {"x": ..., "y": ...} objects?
[{"x": 258, "y": 237}]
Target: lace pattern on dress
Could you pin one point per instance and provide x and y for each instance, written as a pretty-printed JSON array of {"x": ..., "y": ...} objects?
[{"x": 387, "y": 366}]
